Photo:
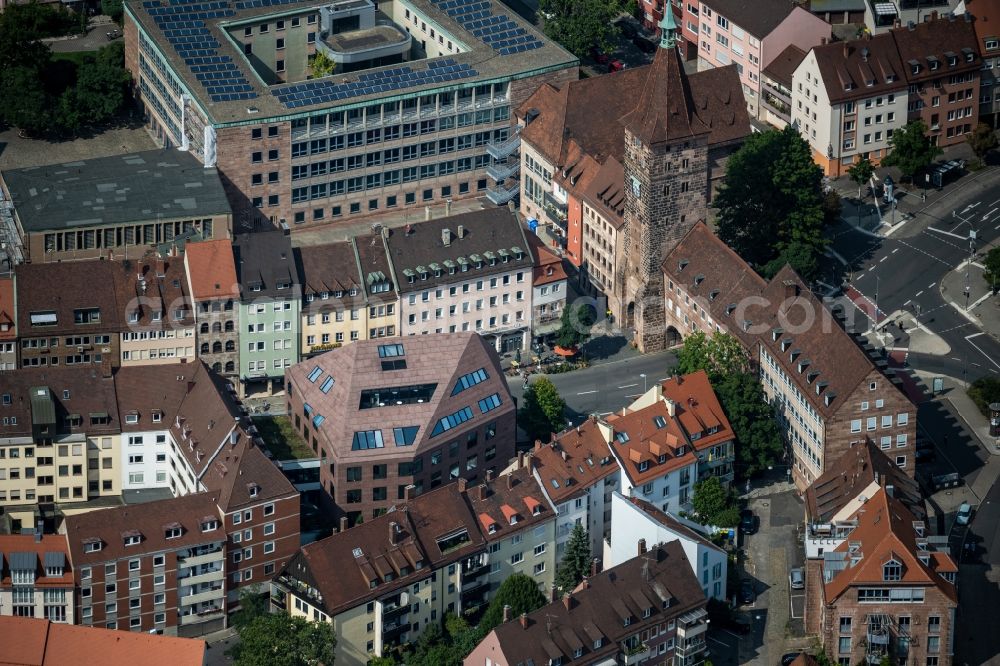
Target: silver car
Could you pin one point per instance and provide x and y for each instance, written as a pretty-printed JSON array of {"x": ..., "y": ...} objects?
[{"x": 797, "y": 579}]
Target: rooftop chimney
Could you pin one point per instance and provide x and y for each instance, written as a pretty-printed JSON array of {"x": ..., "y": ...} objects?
[
  {"x": 234, "y": 436},
  {"x": 822, "y": 40},
  {"x": 481, "y": 492},
  {"x": 463, "y": 483},
  {"x": 510, "y": 481},
  {"x": 506, "y": 613},
  {"x": 393, "y": 531},
  {"x": 791, "y": 289},
  {"x": 408, "y": 492},
  {"x": 461, "y": 231},
  {"x": 489, "y": 476},
  {"x": 447, "y": 207},
  {"x": 343, "y": 523},
  {"x": 427, "y": 213},
  {"x": 538, "y": 444},
  {"x": 565, "y": 456},
  {"x": 520, "y": 460},
  {"x": 553, "y": 593},
  {"x": 595, "y": 566},
  {"x": 39, "y": 527},
  {"x": 642, "y": 547},
  {"x": 524, "y": 620},
  {"x": 567, "y": 599},
  {"x": 671, "y": 408},
  {"x": 446, "y": 237}
]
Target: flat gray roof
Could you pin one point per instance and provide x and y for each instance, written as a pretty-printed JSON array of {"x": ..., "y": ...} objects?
[{"x": 139, "y": 187}]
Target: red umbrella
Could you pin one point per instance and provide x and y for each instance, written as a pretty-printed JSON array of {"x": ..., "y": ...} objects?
[{"x": 561, "y": 351}]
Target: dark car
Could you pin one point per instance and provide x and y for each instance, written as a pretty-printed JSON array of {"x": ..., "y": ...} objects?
[
  {"x": 615, "y": 66},
  {"x": 644, "y": 44},
  {"x": 749, "y": 523},
  {"x": 748, "y": 594},
  {"x": 628, "y": 29},
  {"x": 789, "y": 658}
]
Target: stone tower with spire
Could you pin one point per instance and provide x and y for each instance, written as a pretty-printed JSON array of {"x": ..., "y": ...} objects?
[{"x": 666, "y": 182}]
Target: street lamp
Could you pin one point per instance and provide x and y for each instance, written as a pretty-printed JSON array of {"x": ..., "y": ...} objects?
[{"x": 643, "y": 375}]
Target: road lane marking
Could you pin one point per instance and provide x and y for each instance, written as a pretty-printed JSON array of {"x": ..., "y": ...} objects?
[
  {"x": 906, "y": 303},
  {"x": 979, "y": 349},
  {"x": 586, "y": 392},
  {"x": 974, "y": 335},
  {"x": 883, "y": 259},
  {"x": 895, "y": 251},
  {"x": 627, "y": 386},
  {"x": 870, "y": 269},
  {"x": 716, "y": 640},
  {"x": 917, "y": 295},
  {"x": 931, "y": 285},
  {"x": 985, "y": 217}
]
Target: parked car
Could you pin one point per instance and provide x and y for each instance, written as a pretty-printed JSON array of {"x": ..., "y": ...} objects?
[
  {"x": 789, "y": 658},
  {"x": 797, "y": 579},
  {"x": 616, "y": 66},
  {"x": 644, "y": 44},
  {"x": 749, "y": 523},
  {"x": 964, "y": 514},
  {"x": 926, "y": 454},
  {"x": 748, "y": 594},
  {"x": 628, "y": 28},
  {"x": 599, "y": 56}
]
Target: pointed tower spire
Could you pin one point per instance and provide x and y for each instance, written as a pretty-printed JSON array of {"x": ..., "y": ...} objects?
[{"x": 668, "y": 28}]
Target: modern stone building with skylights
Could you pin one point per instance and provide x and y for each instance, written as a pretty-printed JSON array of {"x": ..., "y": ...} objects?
[
  {"x": 417, "y": 107},
  {"x": 416, "y": 413}
]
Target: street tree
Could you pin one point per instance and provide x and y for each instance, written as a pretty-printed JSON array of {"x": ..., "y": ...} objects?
[
  {"x": 991, "y": 266},
  {"x": 982, "y": 140},
  {"x": 771, "y": 207},
  {"x": 720, "y": 355},
  {"x": 322, "y": 65},
  {"x": 574, "y": 325},
  {"x": 544, "y": 410},
  {"x": 278, "y": 639},
  {"x": 714, "y": 503},
  {"x": 253, "y": 604},
  {"x": 114, "y": 9},
  {"x": 518, "y": 591},
  {"x": 861, "y": 173},
  {"x": 579, "y": 25},
  {"x": 576, "y": 560},
  {"x": 911, "y": 150},
  {"x": 758, "y": 439}
]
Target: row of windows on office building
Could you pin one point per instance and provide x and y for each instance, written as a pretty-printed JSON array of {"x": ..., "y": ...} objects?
[{"x": 392, "y": 201}]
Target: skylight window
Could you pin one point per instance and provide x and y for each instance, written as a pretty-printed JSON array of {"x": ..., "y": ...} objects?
[
  {"x": 388, "y": 351},
  {"x": 367, "y": 439},
  {"x": 490, "y": 403},
  {"x": 326, "y": 385},
  {"x": 622, "y": 437},
  {"x": 452, "y": 420},
  {"x": 470, "y": 380},
  {"x": 314, "y": 374},
  {"x": 659, "y": 422}
]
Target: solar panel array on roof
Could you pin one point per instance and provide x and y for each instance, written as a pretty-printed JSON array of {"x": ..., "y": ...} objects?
[
  {"x": 498, "y": 30},
  {"x": 250, "y": 4},
  {"x": 397, "y": 78},
  {"x": 183, "y": 23}
]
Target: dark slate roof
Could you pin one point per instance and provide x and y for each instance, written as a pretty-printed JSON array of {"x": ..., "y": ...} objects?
[
  {"x": 758, "y": 18},
  {"x": 937, "y": 39},
  {"x": 664, "y": 111},
  {"x": 265, "y": 258},
  {"x": 783, "y": 66},
  {"x": 152, "y": 185},
  {"x": 491, "y": 230},
  {"x": 846, "y": 67},
  {"x": 63, "y": 287}
]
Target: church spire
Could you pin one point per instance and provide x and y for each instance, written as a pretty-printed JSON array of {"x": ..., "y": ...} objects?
[{"x": 668, "y": 28}]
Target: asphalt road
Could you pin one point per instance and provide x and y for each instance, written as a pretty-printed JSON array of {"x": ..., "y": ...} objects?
[
  {"x": 904, "y": 272},
  {"x": 606, "y": 386}
]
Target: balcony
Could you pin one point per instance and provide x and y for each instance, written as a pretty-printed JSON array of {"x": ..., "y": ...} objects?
[
  {"x": 202, "y": 616},
  {"x": 691, "y": 631},
  {"x": 392, "y": 612},
  {"x": 198, "y": 597},
  {"x": 206, "y": 577},
  {"x": 635, "y": 654},
  {"x": 475, "y": 571},
  {"x": 195, "y": 560},
  {"x": 501, "y": 151},
  {"x": 690, "y": 648},
  {"x": 500, "y": 195},
  {"x": 392, "y": 630},
  {"x": 773, "y": 102},
  {"x": 501, "y": 172}
]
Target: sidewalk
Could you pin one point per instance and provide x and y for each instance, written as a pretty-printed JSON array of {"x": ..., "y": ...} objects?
[
  {"x": 971, "y": 417},
  {"x": 969, "y": 294}
]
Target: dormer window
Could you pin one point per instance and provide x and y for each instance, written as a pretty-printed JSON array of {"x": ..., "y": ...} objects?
[
  {"x": 643, "y": 466},
  {"x": 933, "y": 63},
  {"x": 209, "y": 525},
  {"x": 914, "y": 67},
  {"x": 682, "y": 264},
  {"x": 513, "y": 519},
  {"x": 892, "y": 570},
  {"x": 172, "y": 531},
  {"x": 622, "y": 437},
  {"x": 254, "y": 489},
  {"x": 92, "y": 545},
  {"x": 536, "y": 510},
  {"x": 132, "y": 538},
  {"x": 663, "y": 458},
  {"x": 492, "y": 529}
]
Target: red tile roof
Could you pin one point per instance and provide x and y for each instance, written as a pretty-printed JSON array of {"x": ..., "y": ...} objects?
[
  {"x": 985, "y": 21},
  {"x": 698, "y": 409},
  {"x": 211, "y": 269},
  {"x": 37, "y": 642},
  {"x": 512, "y": 495},
  {"x": 847, "y": 67},
  {"x": 25, "y": 543},
  {"x": 548, "y": 266},
  {"x": 575, "y": 460},
  {"x": 885, "y": 531}
]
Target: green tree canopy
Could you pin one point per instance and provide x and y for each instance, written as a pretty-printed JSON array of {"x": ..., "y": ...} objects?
[
  {"x": 575, "y": 561},
  {"x": 543, "y": 412},
  {"x": 861, "y": 172},
  {"x": 771, "y": 208},
  {"x": 723, "y": 358},
  {"x": 278, "y": 639},
  {"x": 520, "y": 593},
  {"x": 910, "y": 149},
  {"x": 720, "y": 355},
  {"x": 113, "y": 8},
  {"x": 322, "y": 65},
  {"x": 714, "y": 503},
  {"x": 992, "y": 268},
  {"x": 253, "y": 604},
  {"x": 580, "y": 24},
  {"x": 574, "y": 325},
  {"x": 982, "y": 140}
]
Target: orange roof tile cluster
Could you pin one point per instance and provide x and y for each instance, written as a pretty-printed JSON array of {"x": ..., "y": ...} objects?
[
  {"x": 686, "y": 417},
  {"x": 54, "y": 547},
  {"x": 509, "y": 503},
  {"x": 575, "y": 460},
  {"x": 211, "y": 269},
  {"x": 37, "y": 642},
  {"x": 885, "y": 531},
  {"x": 548, "y": 266}
]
